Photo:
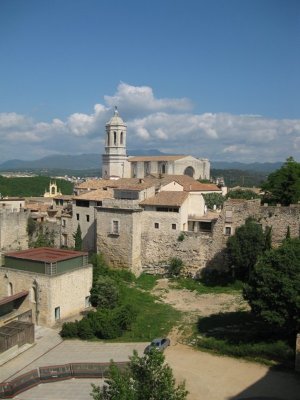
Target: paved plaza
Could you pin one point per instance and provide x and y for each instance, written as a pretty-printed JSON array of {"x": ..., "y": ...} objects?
[{"x": 208, "y": 377}]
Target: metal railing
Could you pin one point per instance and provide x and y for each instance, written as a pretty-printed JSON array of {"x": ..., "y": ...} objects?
[{"x": 53, "y": 373}]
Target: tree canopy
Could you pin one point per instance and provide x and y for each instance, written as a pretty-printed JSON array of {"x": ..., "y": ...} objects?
[
  {"x": 213, "y": 199},
  {"x": 104, "y": 293},
  {"x": 147, "y": 378},
  {"x": 242, "y": 194},
  {"x": 273, "y": 290},
  {"x": 244, "y": 248},
  {"x": 283, "y": 185}
]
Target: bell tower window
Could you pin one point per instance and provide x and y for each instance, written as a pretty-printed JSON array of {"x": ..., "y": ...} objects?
[
  {"x": 121, "y": 138},
  {"x": 115, "y": 138}
]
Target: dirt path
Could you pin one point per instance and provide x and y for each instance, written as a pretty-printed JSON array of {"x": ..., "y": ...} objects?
[{"x": 210, "y": 377}]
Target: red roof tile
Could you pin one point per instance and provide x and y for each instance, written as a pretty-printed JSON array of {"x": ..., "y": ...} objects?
[{"x": 46, "y": 254}]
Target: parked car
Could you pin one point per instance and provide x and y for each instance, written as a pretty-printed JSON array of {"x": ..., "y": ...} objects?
[{"x": 159, "y": 344}]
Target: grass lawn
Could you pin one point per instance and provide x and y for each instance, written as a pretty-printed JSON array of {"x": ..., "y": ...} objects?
[
  {"x": 202, "y": 288},
  {"x": 240, "y": 334},
  {"x": 154, "y": 319}
]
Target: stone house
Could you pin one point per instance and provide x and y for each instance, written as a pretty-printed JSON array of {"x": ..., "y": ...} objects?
[
  {"x": 135, "y": 227},
  {"x": 54, "y": 283}
]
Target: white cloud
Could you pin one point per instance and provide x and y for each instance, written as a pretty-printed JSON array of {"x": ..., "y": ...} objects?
[
  {"x": 164, "y": 124},
  {"x": 136, "y": 100}
]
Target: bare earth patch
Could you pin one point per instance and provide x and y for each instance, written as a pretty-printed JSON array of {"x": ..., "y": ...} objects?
[
  {"x": 211, "y": 377},
  {"x": 193, "y": 302}
]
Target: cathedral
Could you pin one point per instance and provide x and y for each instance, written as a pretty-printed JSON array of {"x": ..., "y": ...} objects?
[{"x": 116, "y": 164}]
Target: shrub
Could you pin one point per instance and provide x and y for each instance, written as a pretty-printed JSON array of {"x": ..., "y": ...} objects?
[
  {"x": 69, "y": 330},
  {"x": 85, "y": 330},
  {"x": 104, "y": 293},
  {"x": 175, "y": 266},
  {"x": 181, "y": 237},
  {"x": 126, "y": 315}
]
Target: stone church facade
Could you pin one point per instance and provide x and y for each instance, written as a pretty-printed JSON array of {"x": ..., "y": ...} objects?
[{"x": 116, "y": 164}]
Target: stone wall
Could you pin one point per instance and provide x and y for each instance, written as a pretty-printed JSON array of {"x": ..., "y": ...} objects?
[
  {"x": 120, "y": 249},
  {"x": 13, "y": 230},
  {"x": 67, "y": 291}
]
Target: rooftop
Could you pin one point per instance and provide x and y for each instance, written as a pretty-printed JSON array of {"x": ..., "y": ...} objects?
[
  {"x": 165, "y": 198},
  {"x": 46, "y": 254},
  {"x": 98, "y": 194}
]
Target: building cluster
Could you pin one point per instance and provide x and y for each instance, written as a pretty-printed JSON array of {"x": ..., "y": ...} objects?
[{"x": 143, "y": 212}]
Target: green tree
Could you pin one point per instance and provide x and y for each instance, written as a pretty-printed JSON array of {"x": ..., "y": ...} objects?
[
  {"x": 244, "y": 248},
  {"x": 104, "y": 293},
  {"x": 283, "y": 185},
  {"x": 213, "y": 199},
  {"x": 147, "y": 378},
  {"x": 45, "y": 238},
  {"x": 78, "y": 238},
  {"x": 242, "y": 194},
  {"x": 273, "y": 290}
]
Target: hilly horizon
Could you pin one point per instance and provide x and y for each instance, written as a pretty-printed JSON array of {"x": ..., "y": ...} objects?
[{"x": 93, "y": 161}]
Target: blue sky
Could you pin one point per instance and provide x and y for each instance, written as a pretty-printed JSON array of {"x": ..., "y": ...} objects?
[{"x": 215, "y": 78}]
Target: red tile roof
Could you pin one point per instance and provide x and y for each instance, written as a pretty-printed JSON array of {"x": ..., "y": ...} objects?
[{"x": 46, "y": 254}]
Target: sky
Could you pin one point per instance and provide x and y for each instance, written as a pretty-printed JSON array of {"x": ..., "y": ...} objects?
[{"x": 218, "y": 79}]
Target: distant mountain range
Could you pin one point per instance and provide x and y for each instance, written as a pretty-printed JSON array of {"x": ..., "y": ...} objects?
[{"x": 93, "y": 161}]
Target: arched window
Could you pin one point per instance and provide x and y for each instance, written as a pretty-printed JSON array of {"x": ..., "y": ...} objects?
[
  {"x": 121, "y": 138},
  {"x": 189, "y": 171},
  {"x": 53, "y": 190},
  {"x": 10, "y": 289},
  {"x": 115, "y": 138},
  {"x": 163, "y": 168}
]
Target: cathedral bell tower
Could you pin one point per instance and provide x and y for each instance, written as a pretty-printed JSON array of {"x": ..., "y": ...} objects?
[{"x": 114, "y": 161}]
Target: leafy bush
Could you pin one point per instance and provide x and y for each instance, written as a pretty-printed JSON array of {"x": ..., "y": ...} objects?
[
  {"x": 126, "y": 315},
  {"x": 181, "y": 237},
  {"x": 69, "y": 330},
  {"x": 85, "y": 330},
  {"x": 104, "y": 293},
  {"x": 213, "y": 277},
  {"x": 175, "y": 266}
]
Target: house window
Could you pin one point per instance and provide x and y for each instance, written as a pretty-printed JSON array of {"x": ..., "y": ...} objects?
[
  {"x": 77, "y": 217},
  {"x": 228, "y": 230},
  {"x": 87, "y": 218},
  {"x": 99, "y": 203},
  {"x": 57, "y": 313},
  {"x": 156, "y": 225},
  {"x": 63, "y": 223},
  {"x": 174, "y": 226},
  {"x": 115, "y": 227},
  {"x": 87, "y": 302}
]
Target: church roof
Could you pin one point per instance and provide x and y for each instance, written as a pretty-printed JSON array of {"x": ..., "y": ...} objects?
[
  {"x": 156, "y": 158},
  {"x": 165, "y": 198},
  {"x": 188, "y": 183}
]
